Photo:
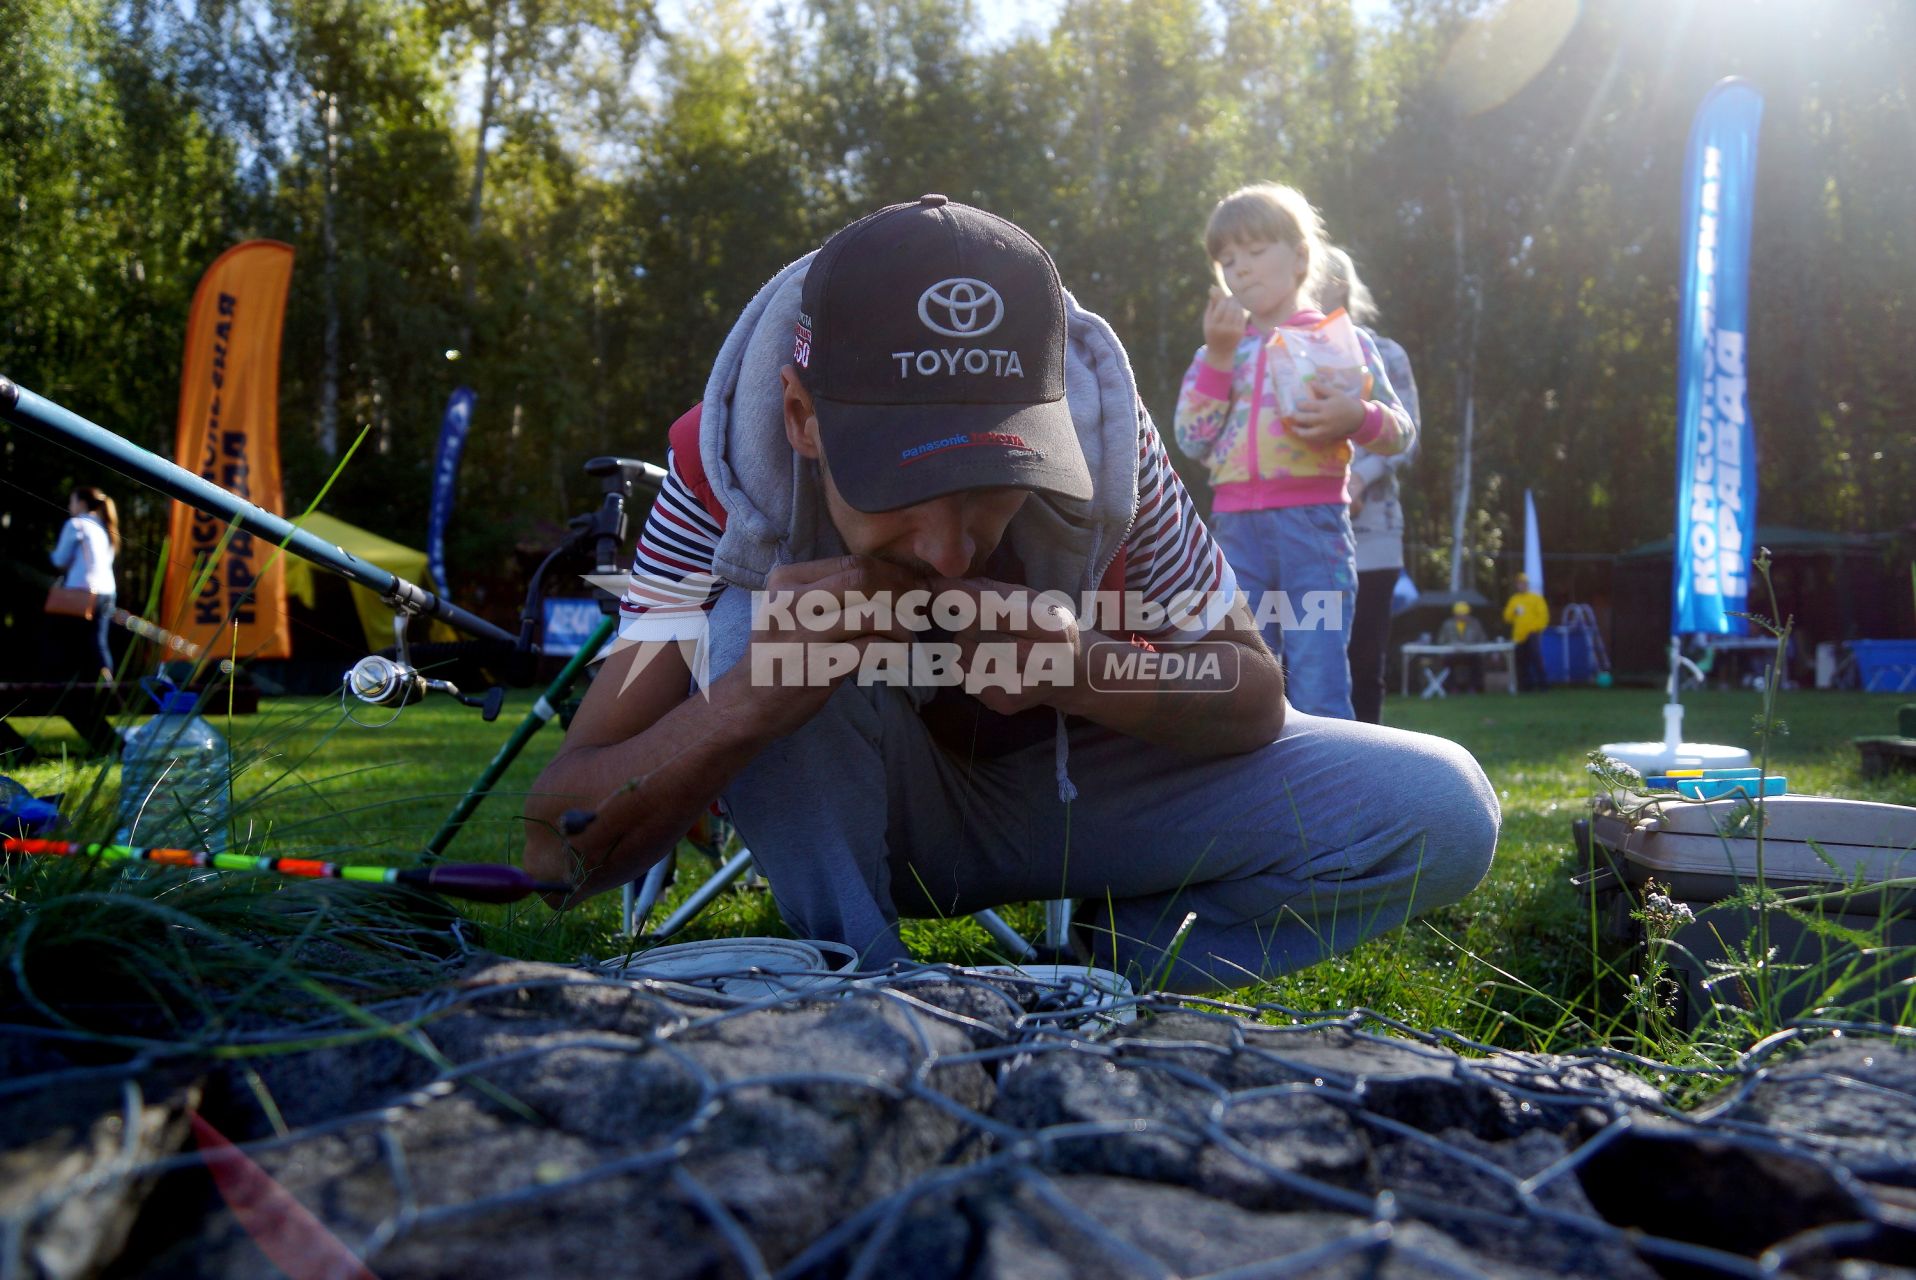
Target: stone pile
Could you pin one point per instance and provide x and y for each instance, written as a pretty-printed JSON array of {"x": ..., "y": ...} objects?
[{"x": 535, "y": 1120}]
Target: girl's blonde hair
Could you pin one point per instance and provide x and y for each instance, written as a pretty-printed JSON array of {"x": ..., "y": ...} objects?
[
  {"x": 1270, "y": 212},
  {"x": 1342, "y": 288},
  {"x": 97, "y": 503}
]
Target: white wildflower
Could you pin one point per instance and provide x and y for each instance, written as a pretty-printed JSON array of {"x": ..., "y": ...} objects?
[{"x": 1668, "y": 911}]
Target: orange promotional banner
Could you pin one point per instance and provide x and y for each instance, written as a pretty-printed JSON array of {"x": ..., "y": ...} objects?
[{"x": 229, "y": 434}]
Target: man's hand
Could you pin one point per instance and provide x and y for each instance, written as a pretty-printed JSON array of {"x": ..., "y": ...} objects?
[
  {"x": 1326, "y": 415},
  {"x": 1192, "y": 713},
  {"x": 1224, "y": 320},
  {"x": 646, "y": 760},
  {"x": 1023, "y": 623},
  {"x": 817, "y": 604}
]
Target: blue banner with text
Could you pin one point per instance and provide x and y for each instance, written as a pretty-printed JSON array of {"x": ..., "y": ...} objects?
[
  {"x": 1716, "y": 453},
  {"x": 445, "y": 470}
]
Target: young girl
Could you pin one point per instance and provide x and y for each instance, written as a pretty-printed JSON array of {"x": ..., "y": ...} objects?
[{"x": 1276, "y": 432}]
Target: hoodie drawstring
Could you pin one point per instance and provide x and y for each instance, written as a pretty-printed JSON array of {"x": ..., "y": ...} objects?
[{"x": 1067, "y": 790}]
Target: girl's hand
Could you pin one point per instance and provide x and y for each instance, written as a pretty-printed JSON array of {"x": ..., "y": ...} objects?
[
  {"x": 1223, "y": 328},
  {"x": 1327, "y": 415}
]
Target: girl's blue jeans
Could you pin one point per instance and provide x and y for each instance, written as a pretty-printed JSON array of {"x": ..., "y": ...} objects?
[{"x": 1309, "y": 554}]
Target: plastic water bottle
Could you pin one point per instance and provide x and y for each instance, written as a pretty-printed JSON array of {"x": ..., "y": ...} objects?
[{"x": 176, "y": 786}]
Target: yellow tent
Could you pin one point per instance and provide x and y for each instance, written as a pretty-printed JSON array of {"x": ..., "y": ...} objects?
[{"x": 403, "y": 561}]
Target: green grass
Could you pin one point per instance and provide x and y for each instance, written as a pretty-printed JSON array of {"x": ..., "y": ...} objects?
[{"x": 1515, "y": 964}]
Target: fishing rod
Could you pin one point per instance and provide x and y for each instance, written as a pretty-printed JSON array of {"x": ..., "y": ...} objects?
[
  {"x": 375, "y": 680},
  {"x": 43, "y": 417},
  {"x": 162, "y": 637},
  {"x": 472, "y": 881}
]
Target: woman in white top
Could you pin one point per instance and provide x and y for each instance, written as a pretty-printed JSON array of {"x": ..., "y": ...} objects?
[{"x": 89, "y": 541}]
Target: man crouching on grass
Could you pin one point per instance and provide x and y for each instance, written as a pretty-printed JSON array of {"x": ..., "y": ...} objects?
[{"x": 917, "y": 463}]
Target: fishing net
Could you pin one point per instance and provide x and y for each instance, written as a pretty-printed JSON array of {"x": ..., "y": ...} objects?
[{"x": 536, "y": 1119}]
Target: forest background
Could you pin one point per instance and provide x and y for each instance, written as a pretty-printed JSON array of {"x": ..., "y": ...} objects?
[{"x": 577, "y": 196}]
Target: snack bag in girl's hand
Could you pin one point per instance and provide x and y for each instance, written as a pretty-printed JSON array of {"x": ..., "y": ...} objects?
[{"x": 1329, "y": 350}]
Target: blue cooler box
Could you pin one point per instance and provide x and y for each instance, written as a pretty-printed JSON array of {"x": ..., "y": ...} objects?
[
  {"x": 1566, "y": 655},
  {"x": 1885, "y": 666}
]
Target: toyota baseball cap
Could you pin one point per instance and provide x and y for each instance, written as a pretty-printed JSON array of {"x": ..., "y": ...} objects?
[{"x": 931, "y": 336}]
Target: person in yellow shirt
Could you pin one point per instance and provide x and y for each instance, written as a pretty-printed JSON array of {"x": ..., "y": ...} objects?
[
  {"x": 1461, "y": 628},
  {"x": 1528, "y": 614}
]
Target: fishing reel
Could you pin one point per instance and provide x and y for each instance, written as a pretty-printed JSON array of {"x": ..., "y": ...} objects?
[{"x": 379, "y": 681}]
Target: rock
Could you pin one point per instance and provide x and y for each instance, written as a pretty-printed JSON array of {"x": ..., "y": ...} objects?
[
  {"x": 1824, "y": 1138},
  {"x": 1157, "y": 1125},
  {"x": 507, "y": 1007},
  {"x": 1249, "y": 1055},
  {"x": 1880, "y": 1251},
  {"x": 1732, "y": 1192},
  {"x": 68, "y": 1197},
  {"x": 1853, "y": 1269},
  {"x": 1158, "y": 1109},
  {"x": 536, "y": 998},
  {"x": 1296, "y": 1134},
  {"x": 367, "y": 1072},
  {"x": 1068, "y": 1227},
  {"x": 826, "y": 1108},
  {"x": 1852, "y": 1099},
  {"x": 1144, "y": 1122},
  {"x": 986, "y": 1010},
  {"x": 730, "y": 1134},
  {"x": 1423, "y": 1085},
  {"x": 1556, "y": 1086},
  {"x": 540, "y": 1120},
  {"x": 307, "y": 1088},
  {"x": 1458, "y": 1171},
  {"x": 400, "y": 1179}
]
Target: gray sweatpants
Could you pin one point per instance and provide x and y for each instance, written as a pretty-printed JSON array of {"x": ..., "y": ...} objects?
[{"x": 1288, "y": 854}]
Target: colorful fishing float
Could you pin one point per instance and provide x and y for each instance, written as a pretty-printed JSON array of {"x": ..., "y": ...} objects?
[{"x": 471, "y": 881}]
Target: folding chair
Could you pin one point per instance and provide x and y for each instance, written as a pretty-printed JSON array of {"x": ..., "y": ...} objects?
[{"x": 639, "y": 899}]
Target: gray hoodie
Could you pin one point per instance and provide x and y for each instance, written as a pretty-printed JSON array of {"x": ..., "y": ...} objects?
[{"x": 1379, "y": 526}]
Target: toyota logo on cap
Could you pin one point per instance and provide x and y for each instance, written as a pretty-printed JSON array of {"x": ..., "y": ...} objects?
[{"x": 972, "y": 307}]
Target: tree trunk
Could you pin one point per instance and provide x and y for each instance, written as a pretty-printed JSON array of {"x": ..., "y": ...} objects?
[
  {"x": 469, "y": 272},
  {"x": 1468, "y": 294},
  {"x": 328, "y": 424}
]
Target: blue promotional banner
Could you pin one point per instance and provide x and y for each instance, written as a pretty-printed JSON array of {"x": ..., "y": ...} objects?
[
  {"x": 445, "y": 469},
  {"x": 569, "y": 622},
  {"x": 1716, "y": 450}
]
